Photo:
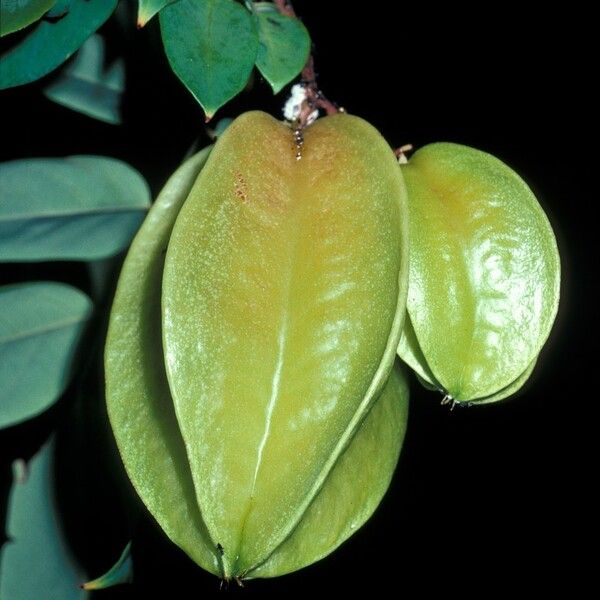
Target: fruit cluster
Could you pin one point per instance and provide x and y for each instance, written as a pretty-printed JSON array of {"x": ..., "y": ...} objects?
[{"x": 251, "y": 377}]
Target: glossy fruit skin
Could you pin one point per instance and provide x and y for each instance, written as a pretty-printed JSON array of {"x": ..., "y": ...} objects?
[
  {"x": 138, "y": 399},
  {"x": 484, "y": 274},
  {"x": 283, "y": 296},
  {"x": 354, "y": 487}
]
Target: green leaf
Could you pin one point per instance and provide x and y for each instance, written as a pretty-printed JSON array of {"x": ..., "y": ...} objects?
[
  {"x": 61, "y": 8},
  {"x": 284, "y": 45},
  {"x": 75, "y": 208},
  {"x": 219, "y": 128},
  {"x": 50, "y": 43},
  {"x": 211, "y": 46},
  {"x": 17, "y": 14},
  {"x": 148, "y": 8},
  {"x": 36, "y": 563},
  {"x": 85, "y": 86},
  {"x": 40, "y": 326},
  {"x": 120, "y": 572},
  {"x": 137, "y": 392}
]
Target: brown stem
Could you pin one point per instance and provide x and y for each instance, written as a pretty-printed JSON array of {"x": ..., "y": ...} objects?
[
  {"x": 285, "y": 8},
  {"x": 401, "y": 153},
  {"x": 315, "y": 99}
]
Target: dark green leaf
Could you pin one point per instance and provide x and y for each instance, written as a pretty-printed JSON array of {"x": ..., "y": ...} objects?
[
  {"x": 40, "y": 326},
  {"x": 61, "y": 8},
  {"x": 36, "y": 563},
  {"x": 80, "y": 207},
  {"x": 16, "y": 14},
  {"x": 85, "y": 86},
  {"x": 50, "y": 43},
  {"x": 219, "y": 128},
  {"x": 148, "y": 8},
  {"x": 212, "y": 46},
  {"x": 120, "y": 572},
  {"x": 284, "y": 45}
]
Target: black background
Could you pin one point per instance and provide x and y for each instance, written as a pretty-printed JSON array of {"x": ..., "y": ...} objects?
[{"x": 485, "y": 499}]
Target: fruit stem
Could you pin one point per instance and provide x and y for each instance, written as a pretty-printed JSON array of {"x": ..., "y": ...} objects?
[
  {"x": 401, "y": 153},
  {"x": 315, "y": 99}
]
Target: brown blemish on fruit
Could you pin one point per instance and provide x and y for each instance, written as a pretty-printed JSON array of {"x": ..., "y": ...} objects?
[{"x": 241, "y": 190}]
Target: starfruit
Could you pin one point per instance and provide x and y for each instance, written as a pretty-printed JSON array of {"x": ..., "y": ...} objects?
[
  {"x": 251, "y": 342},
  {"x": 484, "y": 274}
]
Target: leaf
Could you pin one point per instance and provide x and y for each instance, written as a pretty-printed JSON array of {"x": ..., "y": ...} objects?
[
  {"x": 85, "y": 86},
  {"x": 148, "y": 8},
  {"x": 17, "y": 14},
  {"x": 284, "y": 45},
  {"x": 120, "y": 572},
  {"x": 137, "y": 393},
  {"x": 36, "y": 563},
  {"x": 211, "y": 46},
  {"x": 219, "y": 128},
  {"x": 50, "y": 43},
  {"x": 61, "y": 8},
  {"x": 41, "y": 324},
  {"x": 74, "y": 208},
  {"x": 283, "y": 299}
]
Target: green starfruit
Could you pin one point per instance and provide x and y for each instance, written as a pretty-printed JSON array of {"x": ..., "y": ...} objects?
[
  {"x": 484, "y": 274},
  {"x": 263, "y": 428}
]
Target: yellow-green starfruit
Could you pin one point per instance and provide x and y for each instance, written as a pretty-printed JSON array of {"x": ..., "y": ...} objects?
[
  {"x": 484, "y": 274},
  {"x": 252, "y": 339}
]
